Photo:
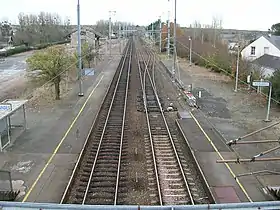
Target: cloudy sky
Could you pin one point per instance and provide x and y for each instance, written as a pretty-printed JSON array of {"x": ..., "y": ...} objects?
[{"x": 240, "y": 14}]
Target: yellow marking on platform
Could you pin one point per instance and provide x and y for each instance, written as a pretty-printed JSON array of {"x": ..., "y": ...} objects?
[
  {"x": 220, "y": 155},
  {"x": 60, "y": 143}
]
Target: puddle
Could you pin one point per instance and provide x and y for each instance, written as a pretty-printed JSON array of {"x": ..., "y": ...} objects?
[{"x": 23, "y": 166}]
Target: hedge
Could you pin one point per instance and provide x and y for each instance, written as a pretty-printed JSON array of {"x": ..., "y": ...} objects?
[{"x": 21, "y": 49}]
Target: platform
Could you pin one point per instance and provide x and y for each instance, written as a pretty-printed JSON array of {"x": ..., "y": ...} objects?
[{"x": 207, "y": 146}]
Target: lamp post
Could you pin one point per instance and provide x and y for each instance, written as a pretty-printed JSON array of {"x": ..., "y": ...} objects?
[
  {"x": 190, "y": 39},
  {"x": 237, "y": 68},
  {"x": 110, "y": 31},
  {"x": 159, "y": 34},
  {"x": 81, "y": 93},
  {"x": 174, "y": 39},
  {"x": 168, "y": 35}
]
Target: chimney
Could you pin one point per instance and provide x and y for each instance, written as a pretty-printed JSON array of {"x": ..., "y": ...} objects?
[{"x": 269, "y": 33}]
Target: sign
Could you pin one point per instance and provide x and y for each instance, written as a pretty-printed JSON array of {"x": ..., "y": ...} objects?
[
  {"x": 5, "y": 107},
  {"x": 261, "y": 83},
  {"x": 249, "y": 79}
]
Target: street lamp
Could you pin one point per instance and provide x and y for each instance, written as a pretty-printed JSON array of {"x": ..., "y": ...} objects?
[
  {"x": 159, "y": 34},
  {"x": 237, "y": 68},
  {"x": 110, "y": 30},
  {"x": 174, "y": 39},
  {"x": 190, "y": 39},
  {"x": 168, "y": 35},
  {"x": 81, "y": 93}
]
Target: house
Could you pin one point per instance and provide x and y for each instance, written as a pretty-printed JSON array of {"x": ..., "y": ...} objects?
[
  {"x": 267, "y": 64},
  {"x": 263, "y": 45},
  {"x": 88, "y": 35}
]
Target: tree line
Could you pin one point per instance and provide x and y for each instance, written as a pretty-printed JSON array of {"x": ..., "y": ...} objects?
[{"x": 35, "y": 29}]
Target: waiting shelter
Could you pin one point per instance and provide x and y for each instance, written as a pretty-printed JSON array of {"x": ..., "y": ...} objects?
[{"x": 12, "y": 121}]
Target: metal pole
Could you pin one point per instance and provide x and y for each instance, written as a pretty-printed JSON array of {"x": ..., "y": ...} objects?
[
  {"x": 24, "y": 116},
  {"x": 174, "y": 40},
  {"x": 237, "y": 68},
  {"x": 81, "y": 93},
  {"x": 190, "y": 50},
  {"x": 248, "y": 160},
  {"x": 152, "y": 32},
  {"x": 269, "y": 101},
  {"x": 120, "y": 38},
  {"x": 257, "y": 142},
  {"x": 159, "y": 34},
  {"x": 168, "y": 35},
  {"x": 110, "y": 33},
  {"x": 252, "y": 133}
]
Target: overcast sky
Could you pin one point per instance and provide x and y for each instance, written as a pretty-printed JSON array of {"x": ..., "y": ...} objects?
[{"x": 240, "y": 14}]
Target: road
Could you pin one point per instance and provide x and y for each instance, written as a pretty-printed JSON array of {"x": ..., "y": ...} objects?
[{"x": 12, "y": 71}]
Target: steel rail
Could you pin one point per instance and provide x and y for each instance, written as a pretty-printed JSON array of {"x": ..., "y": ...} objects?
[
  {"x": 171, "y": 140},
  {"x": 123, "y": 124},
  {"x": 66, "y": 191},
  {"x": 105, "y": 126},
  {"x": 149, "y": 128}
]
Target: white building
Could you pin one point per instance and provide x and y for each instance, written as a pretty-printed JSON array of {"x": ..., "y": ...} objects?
[
  {"x": 264, "y": 45},
  {"x": 88, "y": 35},
  {"x": 267, "y": 64}
]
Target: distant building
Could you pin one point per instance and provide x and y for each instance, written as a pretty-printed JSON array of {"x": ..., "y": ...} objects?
[
  {"x": 264, "y": 45},
  {"x": 88, "y": 35},
  {"x": 267, "y": 64}
]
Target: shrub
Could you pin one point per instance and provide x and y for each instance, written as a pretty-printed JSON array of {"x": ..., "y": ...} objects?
[{"x": 25, "y": 48}]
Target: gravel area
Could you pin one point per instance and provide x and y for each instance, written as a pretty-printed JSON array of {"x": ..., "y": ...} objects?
[{"x": 137, "y": 169}]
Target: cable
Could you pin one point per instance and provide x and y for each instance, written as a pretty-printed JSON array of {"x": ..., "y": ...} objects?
[
  {"x": 66, "y": 69},
  {"x": 214, "y": 64}
]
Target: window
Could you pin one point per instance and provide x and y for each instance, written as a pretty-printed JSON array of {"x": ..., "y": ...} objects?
[
  {"x": 253, "y": 50},
  {"x": 266, "y": 50}
]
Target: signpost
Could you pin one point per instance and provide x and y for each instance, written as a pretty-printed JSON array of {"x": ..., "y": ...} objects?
[
  {"x": 249, "y": 77},
  {"x": 265, "y": 84}
]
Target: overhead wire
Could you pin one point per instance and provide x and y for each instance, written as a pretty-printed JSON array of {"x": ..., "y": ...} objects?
[
  {"x": 61, "y": 73},
  {"x": 226, "y": 72}
]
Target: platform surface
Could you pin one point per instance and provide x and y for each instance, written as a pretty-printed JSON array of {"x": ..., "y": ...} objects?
[
  {"x": 41, "y": 160},
  {"x": 219, "y": 177}
]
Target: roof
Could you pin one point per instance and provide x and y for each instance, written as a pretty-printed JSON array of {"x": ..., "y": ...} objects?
[
  {"x": 275, "y": 40},
  {"x": 268, "y": 61},
  {"x": 6, "y": 110},
  {"x": 90, "y": 29}
]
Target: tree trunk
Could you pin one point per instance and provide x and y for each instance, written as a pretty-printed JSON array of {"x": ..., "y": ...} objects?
[
  {"x": 57, "y": 89},
  {"x": 89, "y": 64}
]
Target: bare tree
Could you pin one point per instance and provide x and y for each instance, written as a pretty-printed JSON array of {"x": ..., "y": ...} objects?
[{"x": 41, "y": 28}]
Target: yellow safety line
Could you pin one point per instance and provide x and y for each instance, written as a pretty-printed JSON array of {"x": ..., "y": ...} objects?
[
  {"x": 227, "y": 165},
  {"x": 60, "y": 143}
]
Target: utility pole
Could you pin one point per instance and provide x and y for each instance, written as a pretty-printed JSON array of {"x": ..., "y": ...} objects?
[
  {"x": 159, "y": 34},
  {"x": 168, "y": 35},
  {"x": 120, "y": 38},
  {"x": 110, "y": 31},
  {"x": 174, "y": 40},
  {"x": 237, "y": 68},
  {"x": 81, "y": 93},
  {"x": 153, "y": 32},
  {"x": 190, "y": 39}
]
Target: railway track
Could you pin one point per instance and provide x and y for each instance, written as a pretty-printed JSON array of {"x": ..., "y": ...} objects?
[
  {"x": 171, "y": 179},
  {"x": 96, "y": 177}
]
